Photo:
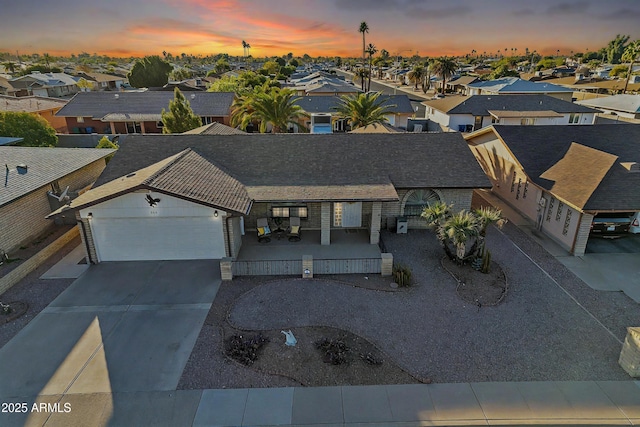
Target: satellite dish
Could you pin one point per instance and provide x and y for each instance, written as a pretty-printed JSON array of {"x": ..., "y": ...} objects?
[{"x": 63, "y": 197}]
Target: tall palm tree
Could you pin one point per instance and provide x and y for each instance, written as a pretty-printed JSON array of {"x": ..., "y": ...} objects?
[
  {"x": 248, "y": 49},
  {"x": 631, "y": 53},
  {"x": 486, "y": 216},
  {"x": 363, "y": 109},
  {"x": 364, "y": 28},
  {"x": 445, "y": 68},
  {"x": 276, "y": 107},
  {"x": 371, "y": 50},
  {"x": 361, "y": 74},
  {"x": 416, "y": 75},
  {"x": 10, "y": 65},
  {"x": 244, "y": 48}
]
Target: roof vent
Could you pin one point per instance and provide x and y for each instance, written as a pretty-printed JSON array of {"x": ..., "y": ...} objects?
[
  {"x": 22, "y": 168},
  {"x": 193, "y": 96},
  {"x": 633, "y": 167},
  {"x": 116, "y": 96}
]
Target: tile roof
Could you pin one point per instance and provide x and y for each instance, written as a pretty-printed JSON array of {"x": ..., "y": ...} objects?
[
  {"x": 480, "y": 105},
  {"x": 516, "y": 85},
  {"x": 462, "y": 80},
  {"x": 625, "y": 103},
  {"x": 30, "y": 104},
  {"x": 186, "y": 175},
  {"x": 539, "y": 148},
  {"x": 44, "y": 165},
  {"x": 328, "y": 103},
  {"x": 99, "y": 104}
]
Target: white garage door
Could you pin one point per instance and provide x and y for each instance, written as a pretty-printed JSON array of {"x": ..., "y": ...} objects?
[{"x": 137, "y": 239}]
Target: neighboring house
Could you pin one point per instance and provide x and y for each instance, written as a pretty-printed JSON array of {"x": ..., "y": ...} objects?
[
  {"x": 467, "y": 114},
  {"x": 37, "y": 105},
  {"x": 627, "y": 106},
  {"x": 323, "y": 86},
  {"x": 377, "y": 128},
  {"x": 597, "y": 84},
  {"x": 517, "y": 86},
  {"x": 460, "y": 84},
  {"x": 193, "y": 197},
  {"x": 6, "y": 88},
  {"x": 399, "y": 106},
  {"x": 560, "y": 177},
  {"x": 55, "y": 85},
  {"x": 102, "y": 81},
  {"x": 138, "y": 112},
  {"x": 32, "y": 172},
  {"x": 7, "y": 140}
]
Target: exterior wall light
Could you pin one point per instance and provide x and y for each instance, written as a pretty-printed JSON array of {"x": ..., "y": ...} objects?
[{"x": 215, "y": 214}]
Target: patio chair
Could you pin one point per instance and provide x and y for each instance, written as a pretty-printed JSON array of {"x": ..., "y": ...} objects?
[
  {"x": 294, "y": 232},
  {"x": 264, "y": 232}
]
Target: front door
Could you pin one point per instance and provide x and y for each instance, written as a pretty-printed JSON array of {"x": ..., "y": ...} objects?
[{"x": 347, "y": 214}]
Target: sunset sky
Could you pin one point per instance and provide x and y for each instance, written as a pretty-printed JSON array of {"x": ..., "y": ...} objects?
[{"x": 316, "y": 27}]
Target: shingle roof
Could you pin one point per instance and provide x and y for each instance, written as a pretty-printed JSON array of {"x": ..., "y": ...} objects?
[
  {"x": 407, "y": 160},
  {"x": 99, "y": 104},
  {"x": 516, "y": 85},
  {"x": 215, "y": 128},
  {"x": 328, "y": 103},
  {"x": 50, "y": 79},
  {"x": 325, "y": 85},
  {"x": 480, "y": 105},
  {"x": 539, "y": 148},
  {"x": 44, "y": 165},
  {"x": 29, "y": 104}
]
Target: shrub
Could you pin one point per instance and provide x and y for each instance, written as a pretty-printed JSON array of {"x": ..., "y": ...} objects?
[
  {"x": 244, "y": 349},
  {"x": 402, "y": 275},
  {"x": 335, "y": 352}
]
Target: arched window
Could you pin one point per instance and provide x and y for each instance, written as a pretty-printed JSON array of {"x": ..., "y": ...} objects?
[{"x": 418, "y": 200}]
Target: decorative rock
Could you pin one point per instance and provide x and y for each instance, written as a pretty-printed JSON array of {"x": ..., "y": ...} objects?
[
  {"x": 394, "y": 285},
  {"x": 630, "y": 354}
]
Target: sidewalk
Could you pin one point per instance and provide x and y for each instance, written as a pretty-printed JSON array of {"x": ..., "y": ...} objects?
[{"x": 518, "y": 403}]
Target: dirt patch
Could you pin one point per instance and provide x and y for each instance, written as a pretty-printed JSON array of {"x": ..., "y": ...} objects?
[
  {"x": 362, "y": 363},
  {"x": 476, "y": 287},
  {"x": 28, "y": 250}
]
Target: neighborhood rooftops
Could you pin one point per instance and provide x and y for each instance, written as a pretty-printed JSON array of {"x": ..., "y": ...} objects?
[
  {"x": 481, "y": 105},
  {"x": 585, "y": 164},
  {"x": 399, "y": 104},
  {"x": 43, "y": 166},
  {"x": 99, "y": 105},
  {"x": 624, "y": 103},
  {"x": 29, "y": 104},
  {"x": 516, "y": 85}
]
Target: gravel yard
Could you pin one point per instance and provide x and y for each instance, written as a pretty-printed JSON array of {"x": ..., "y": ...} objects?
[{"x": 547, "y": 328}]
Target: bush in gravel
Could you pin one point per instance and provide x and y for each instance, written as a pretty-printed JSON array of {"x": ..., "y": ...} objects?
[
  {"x": 244, "y": 349},
  {"x": 335, "y": 352},
  {"x": 401, "y": 275}
]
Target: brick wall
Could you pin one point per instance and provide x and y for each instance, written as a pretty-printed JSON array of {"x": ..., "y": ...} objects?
[{"x": 235, "y": 236}]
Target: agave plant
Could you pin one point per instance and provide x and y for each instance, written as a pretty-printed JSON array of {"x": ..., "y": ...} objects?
[{"x": 459, "y": 228}]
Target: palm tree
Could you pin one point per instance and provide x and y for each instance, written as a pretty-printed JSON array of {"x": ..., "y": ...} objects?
[
  {"x": 445, "y": 68},
  {"x": 276, "y": 107},
  {"x": 361, "y": 74},
  {"x": 244, "y": 48},
  {"x": 459, "y": 228},
  {"x": 631, "y": 53},
  {"x": 486, "y": 216},
  {"x": 436, "y": 214},
  {"x": 371, "y": 50},
  {"x": 416, "y": 75},
  {"x": 248, "y": 49},
  {"x": 47, "y": 60},
  {"x": 363, "y": 109},
  {"x": 10, "y": 65},
  {"x": 364, "y": 28}
]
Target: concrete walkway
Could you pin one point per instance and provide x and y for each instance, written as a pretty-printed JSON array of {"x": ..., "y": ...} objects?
[
  {"x": 542, "y": 403},
  {"x": 68, "y": 267},
  {"x": 595, "y": 269}
]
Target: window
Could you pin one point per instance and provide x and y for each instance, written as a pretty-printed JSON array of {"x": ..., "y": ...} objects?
[
  {"x": 527, "y": 121},
  {"x": 477, "y": 123},
  {"x": 206, "y": 120},
  {"x": 513, "y": 181},
  {"x": 574, "y": 118},
  {"x": 159, "y": 124},
  {"x": 519, "y": 187},
  {"x": 526, "y": 188},
  {"x": 134, "y": 127},
  {"x": 567, "y": 221},
  {"x": 418, "y": 200},
  {"x": 80, "y": 119},
  {"x": 559, "y": 212},
  {"x": 551, "y": 203},
  {"x": 289, "y": 211},
  {"x": 495, "y": 120}
]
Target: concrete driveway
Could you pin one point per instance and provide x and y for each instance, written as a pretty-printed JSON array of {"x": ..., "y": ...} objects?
[{"x": 120, "y": 327}]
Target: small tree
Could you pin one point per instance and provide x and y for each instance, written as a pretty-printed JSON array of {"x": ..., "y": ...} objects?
[
  {"x": 105, "y": 142},
  {"x": 35, "y": 130},
  {"x": 180, "y": 117}
]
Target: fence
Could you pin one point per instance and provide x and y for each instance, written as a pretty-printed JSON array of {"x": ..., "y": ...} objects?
[{"x": 294, "y": 267}]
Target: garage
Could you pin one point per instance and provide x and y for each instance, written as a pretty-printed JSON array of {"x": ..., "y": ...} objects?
[{"x": 169, "y": 238}]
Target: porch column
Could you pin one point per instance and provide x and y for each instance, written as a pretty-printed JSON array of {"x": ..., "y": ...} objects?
[
  {"x": 325, "y": 223},
  {"x": 582, "y": 234},
  {"x": 142, "y": 129},
  {"x": 113, "y": 128},
  {"x": 376, "y": 219}
]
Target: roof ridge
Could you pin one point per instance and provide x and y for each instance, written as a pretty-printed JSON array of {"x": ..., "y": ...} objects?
[{"x": 163, "y": 169}]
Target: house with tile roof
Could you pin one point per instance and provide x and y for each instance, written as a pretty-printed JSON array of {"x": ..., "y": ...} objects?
[
  {"x": 31, "y": 173},
  {"x": 561, "y": 177},
  {"x": 471, "y": 113},
  {"x": 199, "y": 196},
  {"x": 399, "y": 106},
  {"x": 138, "y": 112},
  {"x": 517, "y": 86},
  {"x": 55, "y": 85},
  {"x": 44, "y": 107},
  {"x": 6, "y": 88},
  {"x": 101, "y": 81}
]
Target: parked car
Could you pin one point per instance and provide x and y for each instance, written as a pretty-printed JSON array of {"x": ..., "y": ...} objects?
[
  {"x": 611, "y": 224},
  {"x": 635, "y": 223}
]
